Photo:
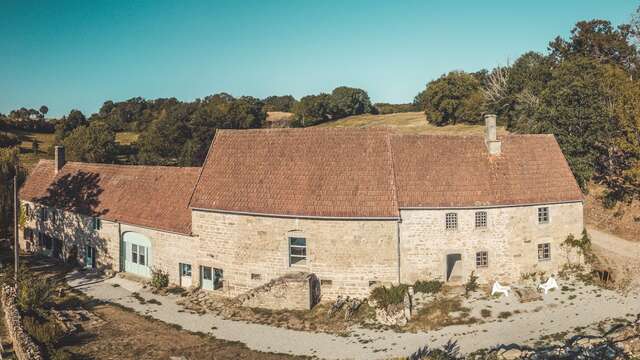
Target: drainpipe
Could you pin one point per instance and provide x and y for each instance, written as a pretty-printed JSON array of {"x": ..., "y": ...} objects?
[
  {"x": 120, "y": 257},
  {"x": 398, "y": 235}
]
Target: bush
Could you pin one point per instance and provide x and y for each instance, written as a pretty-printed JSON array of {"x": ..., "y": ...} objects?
[
  {"x": 386, "y": 296},
  {"x": 44, "y": 332},
  {"x": 159, "y": 278},
  {"x": 472, "y": 284},
  {"x": 428, "y": 286},
  {"x": 33, "y": 293}
]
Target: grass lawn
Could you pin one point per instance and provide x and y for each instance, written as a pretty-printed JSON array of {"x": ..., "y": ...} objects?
[{"x": 409, "y": 123}]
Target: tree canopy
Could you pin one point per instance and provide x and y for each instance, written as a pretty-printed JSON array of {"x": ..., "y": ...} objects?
[{"x": 93, "y": 143}]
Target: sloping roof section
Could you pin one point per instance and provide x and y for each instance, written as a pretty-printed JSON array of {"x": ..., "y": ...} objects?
[
  {"x": 151, "y": 196},
  {"x": 299, "y": 172},
  {"x": 457, "y": 171}
]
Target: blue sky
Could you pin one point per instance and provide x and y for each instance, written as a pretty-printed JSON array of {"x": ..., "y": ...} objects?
[{"x": 77, "y": 54}]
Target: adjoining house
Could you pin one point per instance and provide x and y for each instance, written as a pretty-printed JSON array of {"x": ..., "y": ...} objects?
[{"x": 356, "y": 207}]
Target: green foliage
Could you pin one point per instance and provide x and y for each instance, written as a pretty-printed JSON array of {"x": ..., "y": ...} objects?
[
  {"x": 347, "y": 101},
  {"x": 427, "y": 286},
  {"x": 453, "y": 98},
  {"x": 95, "y": 143},
  {"x": 69, "y": 123},
  {"x": 313, "y": 109},
  {"x": 279, "y": 103},
  {"x": 472, "y": 284},
  {"x": 9, "y": 166},
  {"x": 8, "y": 140},
  {"x": 386, "y": 108},
  {"x": 386, "y": 296},
  {"x": 159, "y": 279},
  {"x": 33, "y": 292}
]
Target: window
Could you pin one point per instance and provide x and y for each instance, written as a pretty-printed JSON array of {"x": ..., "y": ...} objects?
[
  {"x": 543, "y": 215},
  {"x": 96, "y": 223},
  {"x": 27, "y": 210},
  {"x": 206, "y": 273},
  {"x": 53, "y": 217},
  {"x": 481, "y": 219},
  {"x": 134, "y": 253},
  {"x": 44, "y": 214},
  {"x": 326, "y": 282},
  {"x": 141, "y": 255},
  {"x": 185, "y": 270},
  {"x": 297, "y": 251},
  {"x": 90, "y": 257},
  {"x": 256, "y": 276},
  {"x": 217, "y": 278},
  {"x": 544, "y": 251},
  {"x": 482, "y": 259},
  {"x": 451, "y": 221}
]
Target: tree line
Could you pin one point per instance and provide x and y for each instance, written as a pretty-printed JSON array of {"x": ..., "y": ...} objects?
[{"x": 585, "y": 90}]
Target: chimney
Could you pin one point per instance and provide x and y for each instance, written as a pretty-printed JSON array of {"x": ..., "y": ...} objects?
[
  {"x": 59, "y": 152},
  {"x": 490, "y": 138}
]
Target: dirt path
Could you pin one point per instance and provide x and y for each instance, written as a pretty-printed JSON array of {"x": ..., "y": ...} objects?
[
  {"x": 563, "y": 312},
  {"x": 614, "y": 243}
]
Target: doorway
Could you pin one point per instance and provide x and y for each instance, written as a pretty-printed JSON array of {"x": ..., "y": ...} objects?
[{"x": 454, "y": 267}]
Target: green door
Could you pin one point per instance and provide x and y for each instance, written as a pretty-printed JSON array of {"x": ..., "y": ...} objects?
[
  {"x": 90, "y": 257},
  {"x": 137, "y": 254}
]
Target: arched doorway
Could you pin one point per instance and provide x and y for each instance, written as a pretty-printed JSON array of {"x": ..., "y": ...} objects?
[{"x": 137, "y": 254}]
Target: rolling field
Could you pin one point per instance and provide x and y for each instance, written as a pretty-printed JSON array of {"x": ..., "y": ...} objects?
[{"x": 409, "y": 122}]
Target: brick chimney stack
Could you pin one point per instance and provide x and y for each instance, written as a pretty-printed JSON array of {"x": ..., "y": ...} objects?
[
  {"x": 490, "y": 137},
  {"x": 60, "y": 160}
]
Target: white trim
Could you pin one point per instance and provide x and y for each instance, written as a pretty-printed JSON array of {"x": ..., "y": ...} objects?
[{"x": 298, "y": 216}]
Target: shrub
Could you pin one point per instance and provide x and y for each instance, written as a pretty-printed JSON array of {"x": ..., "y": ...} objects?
[
  {"x": 44, "y": 332},
  {"x": 386, "y": 296},
  {"x": 159, "y": 278},
  {"x": 428, "y": 286},
  {"x": 33, "y": 293},
  {"x": 472, "y": 284}
]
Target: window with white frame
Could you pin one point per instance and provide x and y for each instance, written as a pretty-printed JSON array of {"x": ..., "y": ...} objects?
[
  {"x": 481, "y": 219},
  {"x": 544, "y": 251},
  {"x": 185, "y": 270},
  {"x": 543, "y": 215},
  {"x": 482, "y": 259},
  {"x": 451, "y": 221},
  {"x": 138, "y": 254},
  {"x": 297, "y": 251}
]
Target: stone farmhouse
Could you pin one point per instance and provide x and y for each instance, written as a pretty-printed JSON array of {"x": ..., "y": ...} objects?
[{"x": 355, "y": 207}]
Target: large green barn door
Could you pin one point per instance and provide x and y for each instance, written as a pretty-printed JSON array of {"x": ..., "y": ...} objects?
[{"x": 137, "y": 254}]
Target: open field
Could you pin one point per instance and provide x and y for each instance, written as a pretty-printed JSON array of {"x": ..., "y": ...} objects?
[{"x": 409, "y": 122}]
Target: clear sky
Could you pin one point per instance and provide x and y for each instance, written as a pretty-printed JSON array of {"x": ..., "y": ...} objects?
[{"x": 77, "y": 54}]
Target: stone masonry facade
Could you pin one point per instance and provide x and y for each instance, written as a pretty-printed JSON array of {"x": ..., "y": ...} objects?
[{"x": 348, "y": 256}]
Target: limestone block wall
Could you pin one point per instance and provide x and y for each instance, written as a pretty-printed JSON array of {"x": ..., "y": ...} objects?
[
  {"x": 511, "y": 239},
  {"x": 23, "y": 345},
  {"x": 293, "y": 291},
  {"x": 76, "y": 230},
  {"x": 346, "y": 255}
]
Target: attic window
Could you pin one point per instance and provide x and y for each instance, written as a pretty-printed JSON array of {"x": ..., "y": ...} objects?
[
  {"x": 543, "y": 215},
  {"x": 451, "y": 221},
  {"x": 481, "y": 219}
]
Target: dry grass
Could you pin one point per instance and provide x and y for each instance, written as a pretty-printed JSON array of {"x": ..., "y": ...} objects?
[
  {"x": 27, "y": 156},
  {"x": 126, "y": 137},
  {"x": 409, "y": 122},
  {"x": 441, "y": 312},
  {"x": 622, "y": 220},
  {"x": 278, "y": 116}
]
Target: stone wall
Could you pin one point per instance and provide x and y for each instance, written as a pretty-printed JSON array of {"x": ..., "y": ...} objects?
[
  {"x": 76, "y": 231},
  {"x": 347, "y": 255},
  {"x": 294, "y": 291},
  {"x": 510, "y": 238},
  {"x": 23, "y": 345}
]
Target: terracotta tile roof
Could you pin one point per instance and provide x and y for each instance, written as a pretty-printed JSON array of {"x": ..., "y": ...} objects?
[
  {"x": 456, "y": 171},
  {"x": 302, "y": 172},
  {"x": 150, "y": 196}
]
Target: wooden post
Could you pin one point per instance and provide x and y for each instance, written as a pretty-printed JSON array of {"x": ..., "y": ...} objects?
[{"x": 15, "y": 227}]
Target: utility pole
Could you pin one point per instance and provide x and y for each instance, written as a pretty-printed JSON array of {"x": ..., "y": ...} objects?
[{"x": 15, "y": 228}]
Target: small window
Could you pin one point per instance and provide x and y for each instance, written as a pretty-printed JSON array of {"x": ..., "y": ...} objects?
[
  {"x": 27, "y": 210},
  {"x": 185, "y": 270},
  {"x": 217, "y": 278},
  {"x": 451, "y": 221},
  {"x": 134, "y": 253},
  {"x": 256, "y": 277},
  {"x": 142, "y": 251},
  {"x": 54, "y": 217},
  {"x": 481, "y": 219},
  {"x": 297, "y": 251},
  {"x": 44, "y": 214},
  {"x": 96, "y": 222},
  {"x": 326, "y": 282},
  {"x": 482, "y": 259},
  {"x": 543, "y": 215},
  {"x": 544, "y": 251}
]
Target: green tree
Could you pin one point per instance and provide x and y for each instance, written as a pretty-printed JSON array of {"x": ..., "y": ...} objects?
[
  {"x": 69, "y": 123},
  {"x": 347, "y": 101},
  {"x": 279, "y": 103},
  {"x": 452, "y": 98},
  {"x": 313, "y": 109},
  {"x": 95, "y": 143},
  {"x": 9, "y": 166}
]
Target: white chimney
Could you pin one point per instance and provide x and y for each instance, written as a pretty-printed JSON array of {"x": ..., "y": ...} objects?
[
  {"x": 60, "y": 160},
  {"x": 490, "y": 138}
]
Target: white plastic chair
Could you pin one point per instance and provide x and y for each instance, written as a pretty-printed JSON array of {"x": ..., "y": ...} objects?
[
  {"x": 497, "y": 288},
  {"x": 550, "y": 284}
]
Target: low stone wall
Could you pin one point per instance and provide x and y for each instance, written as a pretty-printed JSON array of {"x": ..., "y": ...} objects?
[
  {"x": 23, "y": 345},
  {"x": 295, "y": 291}
]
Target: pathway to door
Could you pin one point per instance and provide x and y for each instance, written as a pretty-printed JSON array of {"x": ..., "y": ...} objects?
[{"x": 364, "y": 343}]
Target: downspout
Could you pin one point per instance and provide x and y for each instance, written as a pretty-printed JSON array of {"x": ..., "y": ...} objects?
[
  {"x": 120, "y": 254},
  {"x": 398, "y": 235}
]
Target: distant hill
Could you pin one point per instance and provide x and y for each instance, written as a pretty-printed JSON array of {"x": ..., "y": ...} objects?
[{"x": 406, "y": 122}]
